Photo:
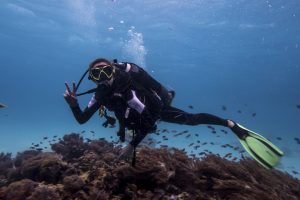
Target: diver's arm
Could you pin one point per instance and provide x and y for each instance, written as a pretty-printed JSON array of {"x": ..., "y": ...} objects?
[{"x": 84, "y": 116}]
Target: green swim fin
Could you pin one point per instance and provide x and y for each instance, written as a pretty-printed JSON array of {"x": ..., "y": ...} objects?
[{"x": 261, "y": 149}]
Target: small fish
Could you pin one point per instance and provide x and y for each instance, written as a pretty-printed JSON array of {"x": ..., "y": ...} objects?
[
  {"x": 295, "y": 172},
  {"x": 298, "y": 106},
  {"x": 224, "y": 108},
  {"x": 239, "y": 111},
  {"x": 92, "y": 131},
  {"x": 39, "y": 149},
  {"x": 190, "y": 106},
  {"x": 55, "y": 136},
  {"x": 234, "y": 159},
  {"x": 204, "y": 143},
  {"x": 211, "y": 127},
  {"x": 214, "y": 132},
  {"x": 253, "y": 114},
  {"x": 228, "y": 155},
  {"x": 45, "y": 138},
  {"x": 212, "y": 143},
  {"x": 2, "y": 105},
  {"x": 163, "y": 146},
  {"x": 83, "y": 131},
  {"x": 197, "y": 135},
  {"x": 188, "y": 136},
  {"x": 165, "y": 131},
  {"x": 198, "y": 141},
  {"x": 191, "y": 144},
  {"x": 36, "y": 145},
  {"x": 279, "y": 138},
  {"x": 174, "y": 131}
]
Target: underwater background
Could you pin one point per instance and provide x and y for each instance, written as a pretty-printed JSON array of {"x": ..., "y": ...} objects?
[{"x": 236, "y": 59}]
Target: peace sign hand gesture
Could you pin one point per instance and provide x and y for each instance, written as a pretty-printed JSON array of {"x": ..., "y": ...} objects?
[{"x": 70, "y": 96}]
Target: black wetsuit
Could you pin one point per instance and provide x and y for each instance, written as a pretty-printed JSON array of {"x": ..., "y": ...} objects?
[{"x": 150, "y": 93}]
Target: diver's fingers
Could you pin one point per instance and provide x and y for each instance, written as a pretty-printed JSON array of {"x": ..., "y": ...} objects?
[
  {"x": 74, "y": 88},
  {"x": 68, "y": 88}
]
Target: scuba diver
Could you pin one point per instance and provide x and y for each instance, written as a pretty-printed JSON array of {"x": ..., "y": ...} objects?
[{"x": 139, "y": 101}]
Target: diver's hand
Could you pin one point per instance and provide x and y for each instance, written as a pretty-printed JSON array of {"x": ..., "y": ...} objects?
[
  {"x": 126, "y": 153},
  {"x": 70, "y": 96}
]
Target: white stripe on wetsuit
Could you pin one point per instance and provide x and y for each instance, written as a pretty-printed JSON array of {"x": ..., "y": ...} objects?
[{"x": 135, "y": 103}]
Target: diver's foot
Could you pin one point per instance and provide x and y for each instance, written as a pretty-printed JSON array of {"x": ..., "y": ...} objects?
[{"x": 230, "y": 123}]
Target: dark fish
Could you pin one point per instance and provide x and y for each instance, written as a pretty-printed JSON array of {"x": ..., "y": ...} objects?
[
  {"x": 2, "y": 105},
  {"x": 83, "y": 131},
  {"x": 39, "y": 149},
  {"x": 279, "y": 138},
  {"x": 55, "y": 136},
  {"x": 224, "y": 108},
  {"x": 239, "y": 111},
  {"x": 295, "y": 172},
  {"x": 165, "y": 130},
  {"x": 214, "y": 132},
  {"x": 204, "y": 143},
  {"x": 186, "y": 131},
  {"x": 174, "y": 131},
  {"x": 197, "y": 135},
  {"x": 224, "y": 131},
  {"x": 228, "y": 155},
  {"x": 36, "y": 145},
  {"x": 163, "y": 146},
  {"x": 198, "y": 141},
  {"x": 211, "y": 127},
  {"x": 45, "y": 138},
  {"x": 41, "y": 142},
  {"x": 92, "y": 131},
  {"x": 166, "y": 139},
  {"x": 188, "y": 136},
  {"x": 253, "y": 114},
  {"x": 298, "y": 106},
  {"x": 191, "y": 144},
  {"x": 212, "y": 143},
  {"x": 234, "y": 159},
  {"x": 190, "y": 106},
  {"x": 202, "y": 153},
  {"x": 88, "y": 139}
]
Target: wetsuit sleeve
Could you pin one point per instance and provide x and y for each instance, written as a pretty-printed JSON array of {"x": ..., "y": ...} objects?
[{"x": 84, "y": 116}]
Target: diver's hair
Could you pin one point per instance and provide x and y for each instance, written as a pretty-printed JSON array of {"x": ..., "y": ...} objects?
[{"x": 99, "y": 60}]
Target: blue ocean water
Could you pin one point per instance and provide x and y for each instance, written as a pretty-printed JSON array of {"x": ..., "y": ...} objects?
[{"x": 238, "y": 54}]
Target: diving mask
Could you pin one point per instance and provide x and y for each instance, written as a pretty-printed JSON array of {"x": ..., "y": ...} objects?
[{"x": 101, "y": 72}]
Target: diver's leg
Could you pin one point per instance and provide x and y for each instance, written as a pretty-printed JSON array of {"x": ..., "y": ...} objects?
[{"x": 175, "y": 115}]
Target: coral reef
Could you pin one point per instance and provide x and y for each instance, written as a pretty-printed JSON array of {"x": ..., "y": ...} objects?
[{"x": 88, "y": 171}]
